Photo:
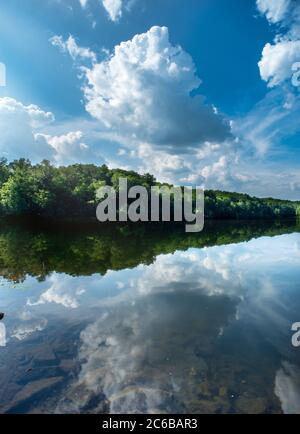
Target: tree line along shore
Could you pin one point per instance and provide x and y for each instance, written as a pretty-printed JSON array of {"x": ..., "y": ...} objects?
[{"x": 44, "y": 190}]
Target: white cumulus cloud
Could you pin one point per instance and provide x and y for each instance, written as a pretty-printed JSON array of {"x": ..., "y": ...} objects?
[
  {"x": 70, "y": 46},
  {"x": 142, "y": 93},
  {"x": 22, "y": 132},
  {"x": 278, "y": 58},
  {"x": 113, "y": 8},
  {"x": 18, "y": 124},
  {"x": 83, "y": 3},
  {"x": 69, "y": 148},
  {"x": 275, "y": 10},
  {"x": 277, "y": 61}
]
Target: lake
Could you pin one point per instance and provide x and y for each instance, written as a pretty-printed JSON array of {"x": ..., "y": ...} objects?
[{"x": 148, "y": 319}]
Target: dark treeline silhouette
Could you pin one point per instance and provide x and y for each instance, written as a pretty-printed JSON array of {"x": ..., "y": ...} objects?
[{"x": 70, "y": 192}]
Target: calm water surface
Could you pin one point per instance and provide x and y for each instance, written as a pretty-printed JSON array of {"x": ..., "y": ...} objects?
[{"x": 151, "y": 322}]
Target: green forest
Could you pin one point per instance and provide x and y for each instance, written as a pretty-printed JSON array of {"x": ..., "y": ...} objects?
[
  {"x": 37, "y": 248},
  {"x": 43, "y": 190}
]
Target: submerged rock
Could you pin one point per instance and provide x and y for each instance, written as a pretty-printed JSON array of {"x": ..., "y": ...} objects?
[{"x": 251, "y": 405}]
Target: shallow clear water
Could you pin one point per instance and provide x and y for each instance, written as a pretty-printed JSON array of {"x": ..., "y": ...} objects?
[{"x": 128, "y": 323}]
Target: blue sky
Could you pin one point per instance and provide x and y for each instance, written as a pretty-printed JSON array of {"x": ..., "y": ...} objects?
[{"x": 195, "y": 92}]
